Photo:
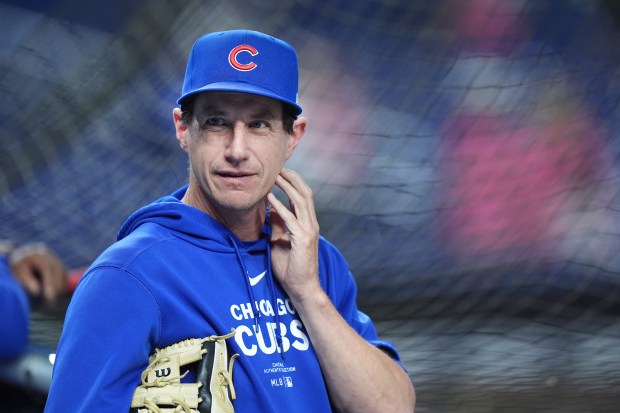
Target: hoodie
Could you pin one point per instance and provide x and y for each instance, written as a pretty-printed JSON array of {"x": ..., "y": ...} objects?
[
  {"x": 14, "y": 314},
  {"x": 176, "y": 273}
]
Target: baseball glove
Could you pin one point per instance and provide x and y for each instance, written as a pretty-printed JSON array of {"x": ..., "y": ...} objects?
[{"x": 161, "y": 390}]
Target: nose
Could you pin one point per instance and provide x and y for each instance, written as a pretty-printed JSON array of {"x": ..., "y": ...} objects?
[{"x": 237, "y": 149}]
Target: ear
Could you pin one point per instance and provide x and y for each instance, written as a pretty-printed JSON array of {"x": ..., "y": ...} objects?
[
  {"x": 299, "y": 129},
  {"x": 181, "y": 128}
]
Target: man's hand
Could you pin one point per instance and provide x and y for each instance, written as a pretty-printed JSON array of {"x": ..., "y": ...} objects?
[
  {"x": 359, "y": 377},
  {"x": 295, "y": 237},
  {"x": 39, "y": 271}
]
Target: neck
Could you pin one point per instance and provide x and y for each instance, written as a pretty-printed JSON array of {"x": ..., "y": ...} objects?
[{"x": 246, "y": 224}]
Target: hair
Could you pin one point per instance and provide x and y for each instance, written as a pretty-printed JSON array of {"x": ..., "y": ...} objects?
[{"x": 187, "y": 114}]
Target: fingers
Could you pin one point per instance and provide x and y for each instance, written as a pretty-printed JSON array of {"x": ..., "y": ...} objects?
[
  {"x": 295, "y": 237},
  {"x": 40, "y": 272},
  {"x": 53, "y": 276},
  {"x": 278, "y": 227},
  {"x": 300, "y": 198},
  {"x": 26, "y": 278}
]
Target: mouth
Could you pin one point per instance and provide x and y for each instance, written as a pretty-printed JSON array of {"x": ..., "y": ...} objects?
[
  {"x": 236, "y": 178},
  {"x": 234, "y": 174}
]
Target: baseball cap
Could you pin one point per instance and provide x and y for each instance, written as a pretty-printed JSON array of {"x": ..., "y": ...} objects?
[{"x": 243, "y": 61}]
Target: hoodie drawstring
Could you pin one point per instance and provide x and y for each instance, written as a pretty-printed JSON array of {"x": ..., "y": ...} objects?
[
  {"x": 278, "y": 329},
  {"x": 247, "y": 283}
]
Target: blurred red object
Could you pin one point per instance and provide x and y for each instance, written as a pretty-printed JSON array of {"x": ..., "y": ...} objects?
[{"x": 74, "y": 276}]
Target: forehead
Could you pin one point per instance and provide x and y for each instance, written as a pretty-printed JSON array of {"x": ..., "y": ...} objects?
[{"x": 235, "y": 102}]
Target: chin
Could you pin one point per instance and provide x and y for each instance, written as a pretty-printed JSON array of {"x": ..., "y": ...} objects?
[{"x": 240, "y": 203}]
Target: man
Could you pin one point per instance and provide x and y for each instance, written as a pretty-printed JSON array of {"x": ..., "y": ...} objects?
[{"x": 223, "y": 253}]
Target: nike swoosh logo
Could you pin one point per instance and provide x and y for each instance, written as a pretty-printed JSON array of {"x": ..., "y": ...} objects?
[{"x": 255, "y": 280}]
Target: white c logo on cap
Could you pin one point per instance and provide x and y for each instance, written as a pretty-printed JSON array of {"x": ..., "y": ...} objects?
[{"x": 232, "y": 58}]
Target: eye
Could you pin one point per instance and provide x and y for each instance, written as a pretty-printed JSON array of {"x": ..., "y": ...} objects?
[
  {"x": 214, "y": 122},
  {"x": 259, "y": 124},
  {"x": 211, "y": 123}
]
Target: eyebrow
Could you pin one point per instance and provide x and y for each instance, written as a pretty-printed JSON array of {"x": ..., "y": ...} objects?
[
  {"x": 264, "y": 113},
  {"x": 210, "y": 110},
  {"x": 260, "y": 113}
]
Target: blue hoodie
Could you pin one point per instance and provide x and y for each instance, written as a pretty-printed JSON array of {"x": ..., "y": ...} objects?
[
  {"x": 176, "y": 273},
  {"x": 14, "y": 314}
]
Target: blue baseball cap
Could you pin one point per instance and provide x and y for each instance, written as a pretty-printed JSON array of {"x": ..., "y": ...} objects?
[{"x": 243, "y": 61}]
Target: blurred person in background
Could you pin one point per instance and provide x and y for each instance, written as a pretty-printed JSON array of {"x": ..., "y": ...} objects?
[
  {"x": 28, "y": 270},
  {"x": 224, "y": 253},
  {"x": 524, "y": 160}
]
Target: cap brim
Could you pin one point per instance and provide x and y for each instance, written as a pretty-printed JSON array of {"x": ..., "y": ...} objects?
[{"x": 242, "y": 88}]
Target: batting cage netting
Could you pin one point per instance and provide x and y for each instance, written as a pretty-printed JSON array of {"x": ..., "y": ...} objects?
[{"x": 463, "y": 156}]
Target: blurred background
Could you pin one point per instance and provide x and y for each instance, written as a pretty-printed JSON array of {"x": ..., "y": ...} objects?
[{"x": 463, "y": 156}]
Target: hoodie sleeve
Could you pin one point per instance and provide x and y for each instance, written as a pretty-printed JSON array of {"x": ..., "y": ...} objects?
[
  {"x": 342, "y": 290},
  {"x": 110, "y": 325},
  {"x": 14, "y": 314}
]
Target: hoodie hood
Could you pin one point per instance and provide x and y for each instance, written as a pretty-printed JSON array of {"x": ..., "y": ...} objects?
[{"x": 189, "y": 224}]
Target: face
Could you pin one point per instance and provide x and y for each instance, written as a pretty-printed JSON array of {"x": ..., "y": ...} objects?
[{"x": 237, "y": 146}]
